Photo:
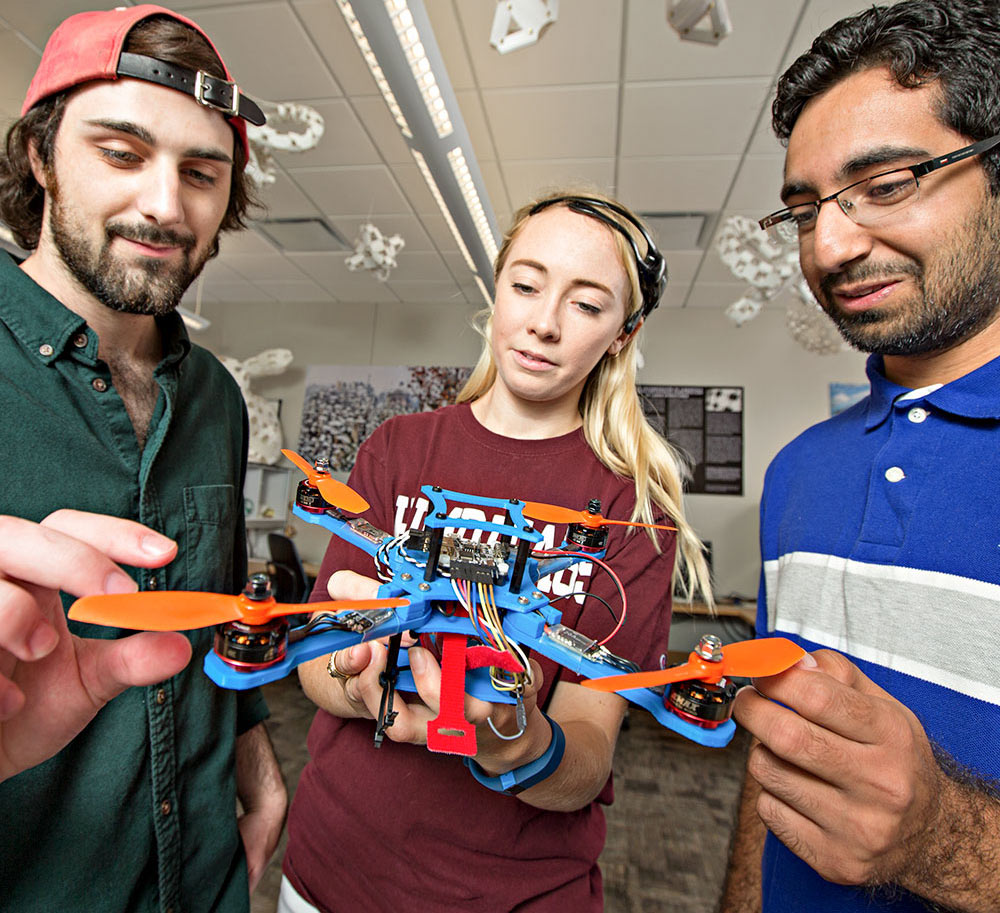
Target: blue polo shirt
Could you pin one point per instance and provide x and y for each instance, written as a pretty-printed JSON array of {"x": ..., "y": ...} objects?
[{"x": 880, "y": 537}]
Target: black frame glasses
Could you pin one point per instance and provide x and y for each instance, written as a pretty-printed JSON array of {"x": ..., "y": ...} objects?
[{"x": 784, "y": 224}]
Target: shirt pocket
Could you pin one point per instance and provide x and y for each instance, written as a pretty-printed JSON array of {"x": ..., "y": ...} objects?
[{"x": 210, "y": 526}]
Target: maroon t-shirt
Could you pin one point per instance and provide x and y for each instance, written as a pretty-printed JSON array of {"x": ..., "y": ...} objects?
[{"x": 403, "y": 829}]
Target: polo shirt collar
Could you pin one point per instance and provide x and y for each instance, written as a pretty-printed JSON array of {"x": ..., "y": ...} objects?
[
  {"x": 44, "y": 325},
  {"x": 972, "y": 396}
]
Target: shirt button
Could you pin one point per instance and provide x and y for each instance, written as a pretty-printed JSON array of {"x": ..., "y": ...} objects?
[
  {"x": 895, "y": 474},
  {"x": 45, "y": 349},
  {"x": 161, "y": 696},
  {"x": 80, "y": 340},
  {"x": 99, "y": 384},
  {"x": 153, "y": 582},
  {"x": 165, "y": 807},
  {"x": 917, "y": 415}
]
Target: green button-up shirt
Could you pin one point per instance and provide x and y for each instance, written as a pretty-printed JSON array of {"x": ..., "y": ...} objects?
[{"x": 138, "y": 812}]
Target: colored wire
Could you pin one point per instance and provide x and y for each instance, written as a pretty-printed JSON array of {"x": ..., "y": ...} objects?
[{"x": 614, "y": 577}]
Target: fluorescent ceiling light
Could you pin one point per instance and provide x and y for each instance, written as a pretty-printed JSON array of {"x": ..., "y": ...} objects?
[
  {"x": 302, "y": 235},
  {"x": 192, "y": 320},
  {"x": 397, "y": 42}
]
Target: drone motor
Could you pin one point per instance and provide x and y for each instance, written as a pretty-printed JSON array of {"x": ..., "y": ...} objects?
[
  {"x": 247, "y": 646},
  {"x": 702, "y": 703}
]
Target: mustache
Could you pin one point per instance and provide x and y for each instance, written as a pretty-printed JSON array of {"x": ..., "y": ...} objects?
[
  {"x": 868, "y": 272},
  {"x": 149, "y": 234}
]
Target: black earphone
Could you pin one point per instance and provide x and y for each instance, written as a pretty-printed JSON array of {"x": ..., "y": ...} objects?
[{"x": 652, "y": 268}]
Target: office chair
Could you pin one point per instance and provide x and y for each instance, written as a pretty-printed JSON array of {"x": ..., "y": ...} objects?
[{"x": 287, "y": 574}]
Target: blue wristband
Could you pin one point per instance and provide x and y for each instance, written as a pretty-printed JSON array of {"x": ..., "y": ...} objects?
[{"x": 526, "y": 776}]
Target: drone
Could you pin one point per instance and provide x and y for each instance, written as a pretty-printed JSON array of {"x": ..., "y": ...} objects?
[{"x": 477, "y": 603}]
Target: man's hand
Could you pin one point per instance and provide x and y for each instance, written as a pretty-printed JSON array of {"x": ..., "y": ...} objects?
[
  {"x": 262, "y": 794},
  {"x": 52, "y": 684},
  {"x": 848, "y": 779}
]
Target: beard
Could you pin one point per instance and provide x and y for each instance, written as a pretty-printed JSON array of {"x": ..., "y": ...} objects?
[
  {"x": 143, "y": 285},
  {"x": 958, "y": 295}
]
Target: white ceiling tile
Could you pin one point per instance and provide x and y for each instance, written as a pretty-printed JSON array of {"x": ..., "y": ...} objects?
[
  {"x": 529, "y": 180},
  {"x": 414, "y": 187},
  {"x": 690, "y": 117},
  {"x": 234, "y": 291},
  {"x": 819, "y": 15},
  {"x": 330, "y": 272},
  {"x": 565, "y": 122},
  {"x": 256, "y": 267},
  {"x": 674, "y": 297},
  {"x": 681, "y": 184},
  {"x": 245, "y": 242},
  {"x": 449, "y": 39},
  {"x": 324, "y": 22},
  {"x": 344, "y": 140},
  {"x": 420, "y": 266},
  {"x": 682, "y": 265},
  {"x": 285, "y": 199},
  {"x": 475, "y": 122},
  {"x": 496, "y": 186},
  {"x": 366, "y": 190},
  {"x": 17, "y": 65},
  {"x": 383, "y": 130},
  {"x": 758, "y": 184},
  {"x": 582, "y": 46},
  {"x": 294, "y": 290},
  {"x": 268, "y": 51},
  {"x": 760, "y": 33},
  {"x": 37, "y": 20},
  {"x": 441, "y": 236},
  {"x": 425, "y": 292}
]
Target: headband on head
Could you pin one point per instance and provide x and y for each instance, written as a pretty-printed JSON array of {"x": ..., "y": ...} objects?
[{"x": 651, "y": 267}]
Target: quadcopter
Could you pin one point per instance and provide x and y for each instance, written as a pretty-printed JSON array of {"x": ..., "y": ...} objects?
[{"x": 476, "y": 603}]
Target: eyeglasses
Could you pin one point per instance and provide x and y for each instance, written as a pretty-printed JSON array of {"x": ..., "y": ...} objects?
[{"x": 870, "y": 200}]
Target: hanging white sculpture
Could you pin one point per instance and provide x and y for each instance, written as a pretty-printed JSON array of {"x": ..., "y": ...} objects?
[
  {"x": 290, "y": 127},
  {"x": 518, "y": 23},
  {"x": 771, "y": 269},
  {"x": 265, "y": 429},
  {"x": 375, "y": 252}
]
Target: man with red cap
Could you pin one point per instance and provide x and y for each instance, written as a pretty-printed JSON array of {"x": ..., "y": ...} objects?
[{"x": 126, "y": 164}]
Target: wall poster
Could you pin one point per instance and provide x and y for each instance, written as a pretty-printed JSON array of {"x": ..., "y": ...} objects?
[
  {"x": 706, "y": 423},
  {"x": 345, "y": 404}
]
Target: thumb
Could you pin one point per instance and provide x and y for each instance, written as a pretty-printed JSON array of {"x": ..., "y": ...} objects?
[{"x": 108, "y": 667}]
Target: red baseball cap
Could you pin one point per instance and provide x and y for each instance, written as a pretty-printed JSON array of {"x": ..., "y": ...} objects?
[{"x": 88, "y": 46}]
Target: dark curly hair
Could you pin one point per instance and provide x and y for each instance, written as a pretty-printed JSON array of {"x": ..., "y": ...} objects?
[
  {"x": 955, "y": 43},
  {"x": 22, "y": 198}
]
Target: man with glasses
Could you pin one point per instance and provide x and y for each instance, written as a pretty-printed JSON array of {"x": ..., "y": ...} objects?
[{"x": 872, "y": 777}]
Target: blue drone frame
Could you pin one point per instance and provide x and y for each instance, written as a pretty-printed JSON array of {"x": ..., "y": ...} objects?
[{"x": 527, "y": 615}]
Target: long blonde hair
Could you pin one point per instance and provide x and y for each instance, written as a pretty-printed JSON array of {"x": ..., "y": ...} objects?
[{"x": 613, "y": 421}]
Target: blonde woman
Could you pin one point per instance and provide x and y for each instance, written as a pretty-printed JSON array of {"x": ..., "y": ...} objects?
[{"x": 549, "y": 414}]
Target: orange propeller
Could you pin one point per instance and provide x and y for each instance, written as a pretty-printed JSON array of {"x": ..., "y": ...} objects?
[
  {"x": 334, "y": 491},
  {"x": 745, "y": 659},
  {"x": 552, "y": 513},
  {"x": 183, "y": 611}
]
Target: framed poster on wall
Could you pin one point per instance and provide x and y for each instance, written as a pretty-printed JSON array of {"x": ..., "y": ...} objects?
[
  {"x": 344, "y": 404},
  {"x": 706, "y": 423}
]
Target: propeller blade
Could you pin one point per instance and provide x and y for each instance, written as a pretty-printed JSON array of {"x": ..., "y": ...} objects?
[
  {"x": 333, "y": 491},
  {"x": 745, "y": 659},
  {"x": 302, "y": 463},
  {"x": 606, "y": 522},
  {"x": 759, "y": 658},
  {"x": 164, "y": 610},
  {"x": 341, "y": 495},
  {"x": 157, "y": 611},
  {"x": 552, "y": 513}
]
